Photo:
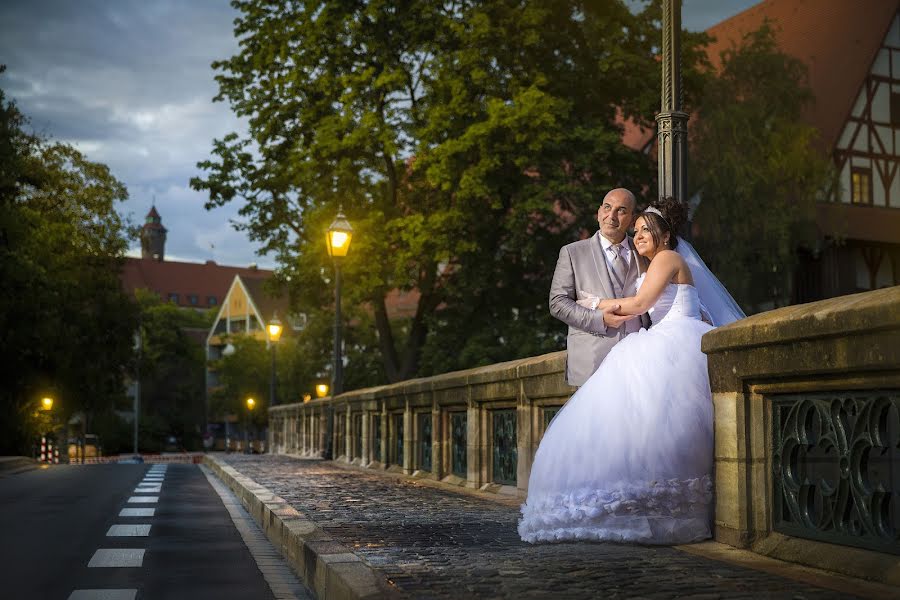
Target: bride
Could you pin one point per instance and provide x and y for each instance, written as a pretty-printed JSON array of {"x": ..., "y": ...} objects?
[{"x": 629, "y": 456}]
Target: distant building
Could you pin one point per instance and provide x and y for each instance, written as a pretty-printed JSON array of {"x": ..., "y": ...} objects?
[
  {"x": 189, "y": 285},
  {"x": 852, "y": 52}
]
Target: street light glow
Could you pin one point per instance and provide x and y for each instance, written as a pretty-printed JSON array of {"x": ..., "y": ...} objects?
[
  {"x": 47, "y": 402},
  {"x": 250, "y": 403},
  {"x": 339, "y": 235},
  {"x": 321, "y": 390},
  {"x": 274, "y": 328}
]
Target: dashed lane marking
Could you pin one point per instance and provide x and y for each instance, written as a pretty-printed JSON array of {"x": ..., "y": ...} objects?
[
  {"x": 137, "y": 512},
  {"x": 142, "y": 530},
  {"x": 117, "y": 557},
  {"x": 143, "y": 499},
  {"x": 103, "y": 595}
]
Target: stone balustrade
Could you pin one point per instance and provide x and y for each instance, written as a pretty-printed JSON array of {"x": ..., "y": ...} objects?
[
  {"x": 807, "y": 430},
  {"x": 477, "y": 428},
  {"x": 807, "y": 433}
]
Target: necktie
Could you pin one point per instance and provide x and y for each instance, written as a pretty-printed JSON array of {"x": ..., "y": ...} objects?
[{"x": 619, "y": 266}]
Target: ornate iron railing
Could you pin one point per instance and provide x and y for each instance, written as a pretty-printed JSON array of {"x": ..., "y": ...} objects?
[
  {"x": 505, "y": 451},
  {"x": 836, "y": 462},
  {"x": 424, "y": 441},
  {"x": 458, "y": 449}
]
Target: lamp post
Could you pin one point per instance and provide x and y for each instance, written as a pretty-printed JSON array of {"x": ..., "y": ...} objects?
[
  {"x": 251, "y": 403},
  {"x": 671, "y": 122},
  {"x": 274, "y": 330},
  {"x": 46, "y": 451},
  {"x": 338, "y": 239}
]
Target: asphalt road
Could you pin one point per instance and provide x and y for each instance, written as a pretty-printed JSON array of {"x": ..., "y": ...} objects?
[{"x": 54, "y": 520}]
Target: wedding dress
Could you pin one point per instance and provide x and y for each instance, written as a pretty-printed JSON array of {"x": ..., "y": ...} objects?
[{"x": 629, "y": 457}]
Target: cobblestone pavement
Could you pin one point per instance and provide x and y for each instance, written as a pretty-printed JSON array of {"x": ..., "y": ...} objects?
[{"x": 433, "y": 543}]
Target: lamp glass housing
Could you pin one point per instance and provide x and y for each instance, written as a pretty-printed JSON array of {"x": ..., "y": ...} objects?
[
  {"x": 321, "y": 390},
  {"x": 340, "y": 232},
  {"x": 274, "y": 329},
  {"x": 251, "y": 403}
]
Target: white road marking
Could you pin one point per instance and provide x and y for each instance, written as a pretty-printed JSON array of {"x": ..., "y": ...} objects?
[
  {"x": 117, "y": 557},
  {"x": 143, "y": 499},
  {"x": 137, "y": 512},
  {"x": 147, "y": 489},
  {"x": 141, "y": 530},
  {"x": 103, "y": 595}
]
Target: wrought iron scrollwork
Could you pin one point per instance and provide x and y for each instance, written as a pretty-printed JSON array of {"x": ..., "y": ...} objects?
[{"x": 836, "y": 462}]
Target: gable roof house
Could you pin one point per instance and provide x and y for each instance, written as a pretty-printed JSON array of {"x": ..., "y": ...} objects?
[{"x": 852, "y": 53}]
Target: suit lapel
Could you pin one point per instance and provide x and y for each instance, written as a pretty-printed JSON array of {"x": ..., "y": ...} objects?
[{"x": 600, "y": 263}]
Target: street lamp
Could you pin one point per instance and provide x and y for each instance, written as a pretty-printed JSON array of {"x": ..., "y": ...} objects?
[
  {"x": 274, "y": 330},
  {"x": 47, "y": 403},
  {"x": 251, "y": 403},
  {"x": 46, "y": 451},
  {"x": 321, "y": 390},
  {"x": 338, "y": 239}
]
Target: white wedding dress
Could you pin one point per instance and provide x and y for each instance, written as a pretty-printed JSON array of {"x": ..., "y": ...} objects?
[{"x": 629, "y": 457}]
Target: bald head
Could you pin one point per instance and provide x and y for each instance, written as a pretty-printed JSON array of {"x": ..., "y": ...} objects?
[{"x": 616, "y": 214}]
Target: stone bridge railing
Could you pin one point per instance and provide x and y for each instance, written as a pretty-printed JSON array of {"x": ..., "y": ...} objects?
[
  {"x": 477, "y": 428},
  {"x": 807, "y": 430}
]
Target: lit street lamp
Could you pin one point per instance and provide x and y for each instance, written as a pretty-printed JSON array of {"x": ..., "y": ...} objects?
[
  {"x": 251, "y": 403},
  {"x": 274, "y": 330},
  {"x": 321, "y": 390},
  {"x": 338, "y": 238},
  {"x": 47, "y": 403}
]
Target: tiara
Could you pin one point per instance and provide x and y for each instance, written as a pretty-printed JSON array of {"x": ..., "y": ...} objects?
[{"x": 655, "y": 211}]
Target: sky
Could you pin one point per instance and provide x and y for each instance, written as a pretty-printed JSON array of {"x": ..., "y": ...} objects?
[{"x": 129, "y": 84}]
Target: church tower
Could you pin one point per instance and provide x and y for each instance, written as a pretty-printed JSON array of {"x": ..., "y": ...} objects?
[{"x": 153, "y": 236}]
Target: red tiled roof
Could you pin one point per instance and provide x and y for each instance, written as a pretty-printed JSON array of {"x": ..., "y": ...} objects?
[
  {"x": 203, "y": 280},
  {"x": 836, "y": 39},
  {"x": 153, "y": 212}
]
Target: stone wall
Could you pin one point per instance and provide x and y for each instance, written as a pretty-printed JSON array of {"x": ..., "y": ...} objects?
[
  {"x": 807, "y": 433},
  {"x": 477, "y": 428}
]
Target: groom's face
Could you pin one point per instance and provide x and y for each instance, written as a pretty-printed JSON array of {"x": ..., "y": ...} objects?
[{"x": 616, "y": 215}]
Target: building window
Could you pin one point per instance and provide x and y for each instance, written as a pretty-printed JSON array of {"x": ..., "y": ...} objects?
[
  {"x": 860, "y": 185},
  {"x": 173, "y": 298},
  {"x": 193, "y": 299},
  {"x": 895, "y": 109},
  {"x": 211, "y": 300}
]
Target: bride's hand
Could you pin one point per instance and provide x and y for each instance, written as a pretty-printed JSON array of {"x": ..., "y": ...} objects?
[
  {"x": 607, "y": 304},
  {"x": 588, "y": 303}
]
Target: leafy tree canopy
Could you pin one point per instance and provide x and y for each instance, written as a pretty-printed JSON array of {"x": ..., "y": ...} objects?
[
  {"x": 65, "y": 323},
  {"x": 758, "y": 169},
  {"x": 467, "y": 141}
]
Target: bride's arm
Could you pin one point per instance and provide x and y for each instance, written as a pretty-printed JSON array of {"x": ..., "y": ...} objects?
[{"x": 662, "y": 269}]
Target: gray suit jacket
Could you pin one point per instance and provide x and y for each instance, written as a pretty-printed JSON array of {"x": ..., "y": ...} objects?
[{"x": 582, "y": 268}]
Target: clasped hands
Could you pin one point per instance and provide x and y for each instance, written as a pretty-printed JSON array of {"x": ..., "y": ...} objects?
[{"x": 609, "y": 306}]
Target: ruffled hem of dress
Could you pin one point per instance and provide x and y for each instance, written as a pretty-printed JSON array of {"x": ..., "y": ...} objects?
[{"x": 656, "y": 512}]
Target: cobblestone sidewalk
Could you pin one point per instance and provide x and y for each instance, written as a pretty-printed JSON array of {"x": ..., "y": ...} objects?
[{"x": 432, "y": 543}]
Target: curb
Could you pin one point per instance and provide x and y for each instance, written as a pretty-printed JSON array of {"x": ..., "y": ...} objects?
[
  {"x": 16, "y": 464},
  {"x": 331, "y": 570}
]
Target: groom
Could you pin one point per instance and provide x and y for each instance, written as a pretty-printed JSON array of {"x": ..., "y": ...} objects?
[{"x": 603, "y": 266}]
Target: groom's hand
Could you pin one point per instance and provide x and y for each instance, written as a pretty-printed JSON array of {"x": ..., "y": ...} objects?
[{"x": 613, "y": 320}]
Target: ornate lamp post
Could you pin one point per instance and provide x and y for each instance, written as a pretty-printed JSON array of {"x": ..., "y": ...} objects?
[
  {"x": 274, "y": 330},
  {"x": 251, "y": 404},
  {"x": 338, "y": 239},
  {"x": 671, "y": 122}
]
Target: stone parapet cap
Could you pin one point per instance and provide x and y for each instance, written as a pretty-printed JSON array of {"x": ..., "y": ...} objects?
[
  {"x": 842, "y": 316},
  {"x": 546, "y": 364}
]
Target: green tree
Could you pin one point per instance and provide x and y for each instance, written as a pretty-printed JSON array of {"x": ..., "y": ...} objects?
[
  {"x": 758, "y": 169},
  {"x": 243, "y": 373},
  {"x": 173, "y": 372},
  {"x": 65, "y": 323},
  {"x": 467, "y": 141}
]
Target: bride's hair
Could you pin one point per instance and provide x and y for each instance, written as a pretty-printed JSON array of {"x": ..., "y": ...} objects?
[{"x": 666, "y": 215}]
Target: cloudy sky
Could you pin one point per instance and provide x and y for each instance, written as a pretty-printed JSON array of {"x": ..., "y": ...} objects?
[{"x": 129, "y": 83}]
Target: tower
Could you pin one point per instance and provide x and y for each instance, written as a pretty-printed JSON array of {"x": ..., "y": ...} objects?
[{"x": 153, "y": 236}]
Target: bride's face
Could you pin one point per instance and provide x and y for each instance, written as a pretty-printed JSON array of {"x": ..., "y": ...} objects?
[{"x": 643, "y": 239}]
